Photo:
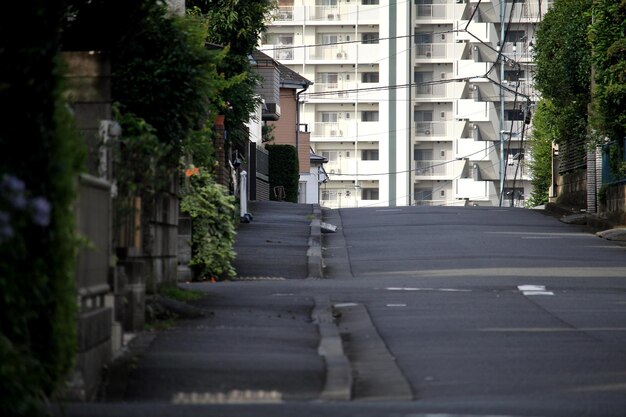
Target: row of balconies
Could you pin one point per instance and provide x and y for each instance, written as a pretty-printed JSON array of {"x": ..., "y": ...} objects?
[
  {"x": 321, "y": 54},
  {"x": 438, "y": 12},
  {"x": 342, "y": 13}
]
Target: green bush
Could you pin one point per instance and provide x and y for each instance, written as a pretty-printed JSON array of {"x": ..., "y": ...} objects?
[
  {"x": 284, "y": 170},
  {"x": 212, "y": 213},
  {"x": 41, "y": 156}
]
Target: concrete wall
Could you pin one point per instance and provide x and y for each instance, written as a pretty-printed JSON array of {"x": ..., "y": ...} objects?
[
  {"x": 614, "y": 209},
  {"x": 89, "y": 96},
  {"x": 572, "y": 189}
]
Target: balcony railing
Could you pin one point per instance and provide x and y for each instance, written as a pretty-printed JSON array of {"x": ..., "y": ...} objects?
[
  {"x": 284, "y": 14},
  {"x": 430, "y": 129},
  {"x": 432, "y": 50},
  {"x": 431, "y": 11},
  {"x": 430, "y": 202},
  {"x": 431, "y": 168}
]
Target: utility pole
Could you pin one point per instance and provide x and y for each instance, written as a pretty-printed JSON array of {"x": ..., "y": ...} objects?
[{"x": 502, "y": 64}]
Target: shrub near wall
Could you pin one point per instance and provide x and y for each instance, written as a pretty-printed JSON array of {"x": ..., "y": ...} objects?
[
  {"x": 284, "y": 170},
  {"x": 40, "y": 158}
]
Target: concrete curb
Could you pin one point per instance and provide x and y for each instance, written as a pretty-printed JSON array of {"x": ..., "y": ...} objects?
[
  {"x": 338, "y": 384},
  {"x": 314, "y": 253}
]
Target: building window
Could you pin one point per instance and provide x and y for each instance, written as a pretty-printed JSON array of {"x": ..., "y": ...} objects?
[
  {"x": 513, "y": 156},
  {"x": 369, "y": 194},
  {"x": 514, "y": 75},
  {"x": 369, "y": 116},
  {"x": 515, "y": 36},
  {"x": 369, "y": 155},
  {"x": 369, "y": 37},
  {"x": 370, "y": 77},
  {"x": 423, "y": 194},
  {"x": 513, "y": 114},
  {"x": 329, "y": 195},
  {"x": 330, "y": 155},
  {"x": 328, "y": 117},
  {"x": 369, "y": 2},
  {"x": 423, "y": 37}
]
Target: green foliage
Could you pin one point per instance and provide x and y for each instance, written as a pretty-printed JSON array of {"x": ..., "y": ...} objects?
[
  {"x": 212, "y": 213},
  {"x": 166, "y": 76},
  {"x": 607, "y": 35},
  {"x": 544, "y": 133},
  {"x": 267, "y": 133},
  {"x": 284, "y": 170},
  {"x": 39, "y": 162},
  {"x": 182, "y": 294},
  {"x": 237, "y": 25},
  {"x": 563, "y": 58}
]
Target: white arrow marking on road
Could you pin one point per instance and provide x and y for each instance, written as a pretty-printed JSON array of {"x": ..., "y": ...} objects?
[{"x": 534, "y": 290}]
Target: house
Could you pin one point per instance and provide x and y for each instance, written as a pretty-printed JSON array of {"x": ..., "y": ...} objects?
[{"x": 281, "y": 90}]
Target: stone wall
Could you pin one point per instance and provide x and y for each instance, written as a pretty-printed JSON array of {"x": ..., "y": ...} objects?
[
  {"x": 572, "y": 189},
  {"x": 614, "y": 208}
]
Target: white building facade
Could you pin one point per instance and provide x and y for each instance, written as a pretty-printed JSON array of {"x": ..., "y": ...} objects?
[{"x": 414, "y": 102}]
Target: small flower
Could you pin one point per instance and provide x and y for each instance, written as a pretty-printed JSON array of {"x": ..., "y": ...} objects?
[
  {"x": 41, "y": 211},
  {"x": 6, "y": 231},
  {"x": 13, "y": 189}
]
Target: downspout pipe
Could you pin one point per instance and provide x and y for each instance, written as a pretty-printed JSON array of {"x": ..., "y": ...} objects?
[{"x": 306, "y": 87}]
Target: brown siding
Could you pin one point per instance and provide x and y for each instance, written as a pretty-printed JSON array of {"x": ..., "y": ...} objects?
[{"x": 285, "y": 128}]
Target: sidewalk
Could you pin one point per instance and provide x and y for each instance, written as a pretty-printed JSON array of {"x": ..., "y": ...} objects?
[{"x": 254, "y": 342}]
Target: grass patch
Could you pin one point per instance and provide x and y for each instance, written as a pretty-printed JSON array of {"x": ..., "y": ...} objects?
[
  {"x": 159, "y": 325},
  {"x": 181, "y": 294}
]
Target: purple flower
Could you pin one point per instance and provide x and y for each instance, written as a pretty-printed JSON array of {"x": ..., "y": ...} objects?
[
  {"x": 41, "y": 211},
  {"x": 13, "y": 189},
  {"x": 6, "y": 231}
]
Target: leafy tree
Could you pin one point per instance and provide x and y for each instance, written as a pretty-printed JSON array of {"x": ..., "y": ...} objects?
[
  {"x": 543, "y": 135},
  {"x": 563, "y": 58},
  {"x": 236, "y": 25},
  {"x": 607, "y": 35}
]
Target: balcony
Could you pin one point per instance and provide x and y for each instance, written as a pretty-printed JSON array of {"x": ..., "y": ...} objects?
[
  {"x": 467, "y": 188},
  {"x": 474, "y": 150},
  {"x": 283, "y": 53},
  {"x": 431, "y": 130},
  {"x": 474, "y": 71},
  {"x": 476, "y": 32},
  {"x": 438, "y": 11},
  {"x": 347, "y": 131},
  {"x": 437, "y": 169},
  {"x": 430, "y": 203},
  {"x": 476, "y": 111},
  {"x": 444, "y": 91},
  {"x": 434, "y": 52}
]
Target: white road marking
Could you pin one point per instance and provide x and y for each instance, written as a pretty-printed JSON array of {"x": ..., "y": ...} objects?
[
  {"x": 553, "y": 329},
  {"x": 534, "y": 290},
  {"x": 389, "y": 210},
  {"x": 425, "y": 289},
  {"x": 396, "y": 305},
  {"x": 343, "y": 305}
]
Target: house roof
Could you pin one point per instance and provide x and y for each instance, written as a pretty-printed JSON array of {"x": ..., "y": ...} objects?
[
  {"x": 317, "y": 158},
  {"x": 288, "y": 77}
]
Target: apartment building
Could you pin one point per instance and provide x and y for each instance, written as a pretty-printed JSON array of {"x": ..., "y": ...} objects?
[{"x": 416, "y": 102}]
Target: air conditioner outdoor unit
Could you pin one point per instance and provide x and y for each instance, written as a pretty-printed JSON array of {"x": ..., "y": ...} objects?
[
  {"x": 428, "y": 54},
  {"x": 332, "y": 171},
  {"x": 427, "y": 132}
]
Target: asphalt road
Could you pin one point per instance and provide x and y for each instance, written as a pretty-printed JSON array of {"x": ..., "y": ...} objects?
[
  {"x": 442, "y": 311},
  {"x": 492, "y": 311}
]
